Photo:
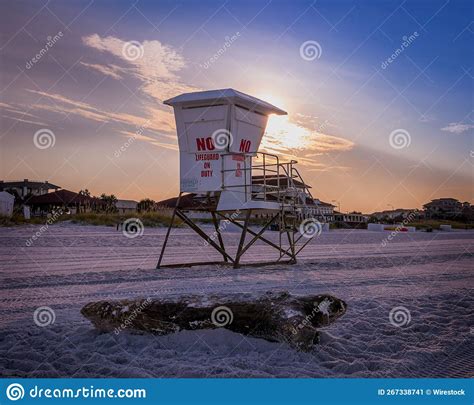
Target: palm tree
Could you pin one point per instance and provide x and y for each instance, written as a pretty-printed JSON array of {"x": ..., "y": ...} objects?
[
  {"x": 110, "y": 202},
  {"x": 146, "y": 205}
]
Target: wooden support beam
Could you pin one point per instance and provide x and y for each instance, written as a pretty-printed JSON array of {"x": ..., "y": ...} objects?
[
  {"x": 301, "y": 248},
  {"x": 257, "y": 236},
  {"x": 168, "y": 232},
  {"x": 219, "y": 235},
  {"x": 291, "y": 242},
  {"x": 242, "y": 239},
  {"x": 268, "y": 242},
  {"x": 202, "y": 234}
]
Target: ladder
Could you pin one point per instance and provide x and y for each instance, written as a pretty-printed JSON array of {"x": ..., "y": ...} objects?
[{"x": 293, "y": 194}]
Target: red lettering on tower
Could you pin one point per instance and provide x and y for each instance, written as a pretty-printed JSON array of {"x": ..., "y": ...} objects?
[
  {"x": 201, "y": 143},
  {"x": 205, "y": 144},
  {"x": 244, "y": 146}
]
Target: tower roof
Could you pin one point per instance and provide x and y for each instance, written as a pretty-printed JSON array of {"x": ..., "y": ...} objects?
[{"x": 227, "y": 96}]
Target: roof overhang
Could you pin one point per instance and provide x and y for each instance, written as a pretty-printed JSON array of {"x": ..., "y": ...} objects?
[{"x": 227, "y": 96}]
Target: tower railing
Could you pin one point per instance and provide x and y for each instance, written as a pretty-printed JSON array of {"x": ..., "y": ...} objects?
[{"x": 271, "y": 180}]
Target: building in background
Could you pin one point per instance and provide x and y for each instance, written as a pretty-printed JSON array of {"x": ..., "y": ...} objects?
[
  {"x": 352, "y": 219},
  {"x": 27, "y": 188},
  {"x": 397, "y": 214},
  {"x": 67, "y": 201},
  {"x": 325, "y": 209},
  {"x": 126, "y": 206},
  {"x": 445, "y": 208}
]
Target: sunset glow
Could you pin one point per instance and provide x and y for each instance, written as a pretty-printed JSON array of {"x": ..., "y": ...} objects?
[{"x": 95, "y": 88}]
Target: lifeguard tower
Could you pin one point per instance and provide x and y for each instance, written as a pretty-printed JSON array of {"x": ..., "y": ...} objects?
[{"x": 223, "y": 173}]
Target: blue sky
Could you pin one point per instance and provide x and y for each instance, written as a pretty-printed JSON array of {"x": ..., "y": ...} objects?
[{"x": 344, "y": 106}]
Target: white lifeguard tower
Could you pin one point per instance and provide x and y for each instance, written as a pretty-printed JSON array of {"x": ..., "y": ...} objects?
[{"x": 219, "y": 134}]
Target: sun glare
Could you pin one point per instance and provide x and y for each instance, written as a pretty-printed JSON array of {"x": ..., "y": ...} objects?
[
  {"x": 275, "y": 100},
  {"x": 281, "y": 134}
]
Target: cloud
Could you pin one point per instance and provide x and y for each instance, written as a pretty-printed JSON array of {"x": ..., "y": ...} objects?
[
  {"x": 330, "y": 168},
  {"x": 23, "y": 120},
  {"x": 108, "y": 70},
  {"x": 17, "y": 109},
  {"x": 19, "y": 114},
  {"x": 155, "y": 64},
  {"x": 140, "y": 137},
  {"x": 156, "y": 59},
  {"x": 296, "y": 141},
  {"x": 160, "y": 121},
  {"x": 329, "y": 143},
  {"x": 457, "y": 128},
  {"x": 283, "y": 134}
]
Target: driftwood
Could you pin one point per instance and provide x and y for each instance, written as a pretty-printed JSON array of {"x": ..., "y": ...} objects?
[{"x": 276, "y": 317}]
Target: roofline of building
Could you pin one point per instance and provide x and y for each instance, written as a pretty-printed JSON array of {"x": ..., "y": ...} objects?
[{"x": 27, "y": 182}]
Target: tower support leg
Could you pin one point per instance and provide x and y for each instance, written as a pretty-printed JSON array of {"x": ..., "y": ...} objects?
[
  {"x": 202, "y": 234},
  {"x": 242, "y": 239},
  {"x": 168, "y": 232},
  {"x": 263, "y": 239},
  {"x": 219, "y": 235},
  {"x": 291, "y": 242},
  {"x": 257, "y": 236}
]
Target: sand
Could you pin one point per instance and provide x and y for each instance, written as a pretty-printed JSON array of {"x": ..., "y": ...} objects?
[{"x": 410, "y": 306}]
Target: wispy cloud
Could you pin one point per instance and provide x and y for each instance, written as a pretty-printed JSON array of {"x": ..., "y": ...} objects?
[
  {"x": 108, "y": 70},
  {"x": 155, "y": 64},
  {"x": 158, "y": 67},
  {"x": 19, "y": 119},
  {"x": 151, "y": 140},
  {"x": 160, "y": 121},
  {"x": 457, "y": 127},
  {"x": 19, "y": 114}
]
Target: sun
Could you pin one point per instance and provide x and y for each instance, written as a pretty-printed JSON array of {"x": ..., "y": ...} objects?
[{"x": 281, "y": 134}]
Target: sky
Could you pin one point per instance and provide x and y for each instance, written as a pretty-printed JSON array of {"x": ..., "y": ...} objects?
[{"x": 378, "y": 93}]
